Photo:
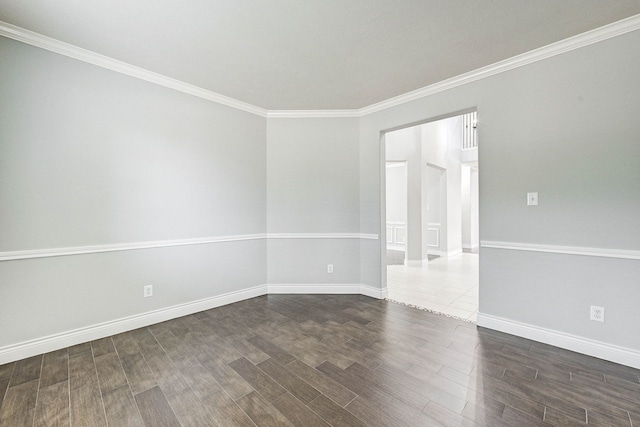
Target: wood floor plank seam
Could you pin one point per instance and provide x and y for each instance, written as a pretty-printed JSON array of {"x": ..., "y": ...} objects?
[
  {"x": 104, "y": 412},
  {"x": 326, "y": 360}
]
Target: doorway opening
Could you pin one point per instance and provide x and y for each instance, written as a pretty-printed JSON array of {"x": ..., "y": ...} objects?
[{"x": 431, "y": 215}]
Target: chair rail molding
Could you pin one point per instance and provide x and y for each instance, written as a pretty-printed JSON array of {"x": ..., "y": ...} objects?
[
  {"x": 566, "y": 250},
  {"x": 81, "y": 250}
]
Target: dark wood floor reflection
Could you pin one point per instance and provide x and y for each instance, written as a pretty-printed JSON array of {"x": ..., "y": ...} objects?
[{"x": 308, "y": 361}]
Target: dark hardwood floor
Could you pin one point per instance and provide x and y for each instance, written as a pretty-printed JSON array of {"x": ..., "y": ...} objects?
[{"x": 306, "y": 360}]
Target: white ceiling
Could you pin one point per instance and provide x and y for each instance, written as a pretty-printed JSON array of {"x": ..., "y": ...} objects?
[{"x": 312, "y": 54}]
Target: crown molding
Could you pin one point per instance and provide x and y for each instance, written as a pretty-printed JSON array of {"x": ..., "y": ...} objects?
[
  {"x": 576, "y": 42},
  {"x": 614, "y": 29},
  {"x": 38, "y": 40},
  {"x": 312, "y": 114}
]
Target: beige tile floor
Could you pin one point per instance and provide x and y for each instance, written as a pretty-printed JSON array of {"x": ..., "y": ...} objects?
[{"x": 445, "y": 285}]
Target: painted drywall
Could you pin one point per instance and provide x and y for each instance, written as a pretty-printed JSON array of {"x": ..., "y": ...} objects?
[
  {"x": 564, "y": 127},
  {"x": 432, "y": 152},
  {"x": 469, "y": 200},
  {"x": 436, "y": 195},
  {"x": 396, "y": 192},
  {"x": 441, "y": 147},
  {"x": 404, "y": 145},
  {"x": 92, "y": 157},
  {"x": 567, "y": 128},
  {"x": 312, "y": 188}
]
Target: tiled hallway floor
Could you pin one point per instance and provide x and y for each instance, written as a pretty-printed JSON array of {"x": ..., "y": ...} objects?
[{"x": 445, "y": 285}]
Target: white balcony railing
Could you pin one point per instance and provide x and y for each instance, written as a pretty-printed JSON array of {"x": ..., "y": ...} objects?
[{"x": 469, "y": 131}]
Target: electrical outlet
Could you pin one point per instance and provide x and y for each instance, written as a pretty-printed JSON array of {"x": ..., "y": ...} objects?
[
  {"x": 329, "y": 268},
  {"x": 148, "y": 291},
  {"x": 597, "y": 313}
]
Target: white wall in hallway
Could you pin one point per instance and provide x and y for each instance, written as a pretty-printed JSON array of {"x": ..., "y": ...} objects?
[
  {"x": 431, "y": 150},
  {"x": 469, "y": 201},
  {"x": 404, "y": 146},
  {"x": 396, "y": 188}
]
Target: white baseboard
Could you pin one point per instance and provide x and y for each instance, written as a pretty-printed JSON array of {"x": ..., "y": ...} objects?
[
  {"x": 57, "y": 341},
  {"x": 293, "y": 288},
  {"x": 445, "y": 253},
  {"x": 415, "y": 262},
  {"x": 54, "y": 342},
  {"x": 612, "y": 353},
  {"x": 372, "y": 292},
  {"x": 396, "y": 247}
]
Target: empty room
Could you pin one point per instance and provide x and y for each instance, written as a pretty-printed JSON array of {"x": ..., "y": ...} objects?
[{"x": 193, "y": 213}]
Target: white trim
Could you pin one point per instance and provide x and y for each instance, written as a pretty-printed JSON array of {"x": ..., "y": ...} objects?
[
  {"x": 370, "y": 291},
  {"x": 77, "y": 336},
  {"x": 613, "y": 353},
  {"x": 566, "y": 250},
  {"x": 312, "y": 114},
  {"x": 395, "y": 163},
  {"x": 396, "y": 247},
  {"x": 80, "y": 250},
  {"x": 416, "y": 262},
  {"x": 323, "y": 236},
  {"x": 437, "y": 230},
  {"x": 327, "y": 289},
  {"x": 35, "y": 39},
  {"x": 54, "y": 252},
  {"x": 54, "y": 342},
  {"x": 614, "y": 29}
]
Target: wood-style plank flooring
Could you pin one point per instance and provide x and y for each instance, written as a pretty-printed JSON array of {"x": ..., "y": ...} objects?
[{"x": 306, "y": 360}]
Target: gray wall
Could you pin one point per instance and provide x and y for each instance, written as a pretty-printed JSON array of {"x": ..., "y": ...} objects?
[
  {"x": 312, "y": 187},
  {"x": 568, "y": 128},
  {"x": 92, "y": 157}
]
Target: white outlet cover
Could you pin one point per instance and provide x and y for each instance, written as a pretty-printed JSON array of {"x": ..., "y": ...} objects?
[
  {"x": 597, "y": 313},
  {"x": 532, "y": 199}
]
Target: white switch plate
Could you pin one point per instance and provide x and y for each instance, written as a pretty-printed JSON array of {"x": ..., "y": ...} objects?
[
  {"x": 329, "y": 268},
  {"x": 148, "y": 291},
  {"x": 532, "y": 199}
]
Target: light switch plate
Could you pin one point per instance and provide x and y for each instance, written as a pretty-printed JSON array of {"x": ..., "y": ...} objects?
[{"x": 532, "y": 199}]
